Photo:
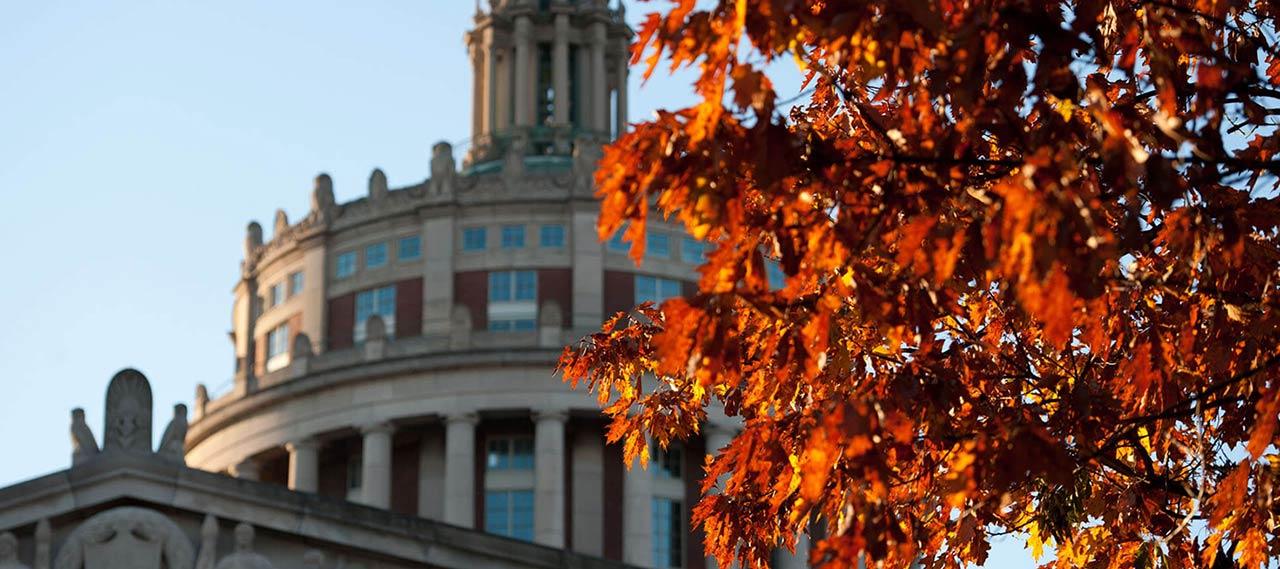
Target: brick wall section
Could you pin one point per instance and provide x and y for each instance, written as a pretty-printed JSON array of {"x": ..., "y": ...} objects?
[
  {"x": 557, "y": 285},
  {"x": 471, "y": 289},
  {"x": 342, "y": 321},
  {"x": 404, "y": 469},
  {"x": 694, "y": 449},
  {"x": 295, "y": 328},
  {"x": 613, "y": 498},
  {"x": 619, "y": 292},
  {"x": 409, "y": 308},
  {"x": 260, "y": 355}
]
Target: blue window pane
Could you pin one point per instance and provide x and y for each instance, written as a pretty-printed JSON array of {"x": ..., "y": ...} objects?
[
  {"x": 346, "y": 265},
  {"x": 499, "y": 286},
  {"x": 499, "y": 452},
  {"x": 552, "y": 236},
  {"x": 616, "y": 243},
  {"x": 473, "y": 239},
  {"x": 499, "y": 325},
  {"x": 658, "y": 245},
  {"x": 668, "y": 288},
  {"x": 523, "y": 325},
  {"x": 375, "y": 255},
  {"x": 526, "y": 285},
  {"x": 295, "y": 283},
  {"x": 522, "y": 454},
  {"x": 409, "y": 248},
  {"x": 693, "y": 251},
  {"x": 773, "y": 270},
  {"x": 512, "y": 236}
]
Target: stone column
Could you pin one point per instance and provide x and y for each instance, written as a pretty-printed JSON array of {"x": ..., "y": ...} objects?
[
  {"x": 375, "y": 486},
  {"x": 477, "y": 87},
  {"x": 523, "y": 57},
  {"x": 460, "y": 469},
  {"x": 560, "y": 69},
  {"x": 599, "y": 83},
  {"x": 623, "y": 73},
  {"x": 489, "y": 107},
  {"x": 637, "y": 516},
  {"x": 548, "y": 501},
  {"x": 437, "y": 273},
  {"x": 304, "y": 465},
  {"x": 588, "y": 268}
]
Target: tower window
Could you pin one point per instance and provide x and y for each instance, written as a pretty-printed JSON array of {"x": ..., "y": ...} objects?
[
  {"x": 551, "y": 236},
  {"x": 510, "y": 453},
  {"x": 655, "y": 289},
  {"x": 513, "y": 301},
  {"x": 276, "y": 295},
  {"x": 546, "y": 86},
  {"x": 668, "y": 532},
  {"x": 658, "y": 245},
  {"x": 379, "y": 301},
  {"x": 295, "y": 283},
  {"x": 409, "y": 248},
  {"x": 375, "y": 255},
  {"x": 345, "y": 265},
  {"x": 512, "y": 236},
  {"x": 473, "y": 239},
  {"x": 693, "y": 251},
  {"x": 575, "y": 86},
  {"x": 278, "y": 347}
]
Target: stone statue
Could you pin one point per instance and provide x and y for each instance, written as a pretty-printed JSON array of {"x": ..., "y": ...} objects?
[
  {"x": 252, "y": 238},
  {"x": 281, "y": 224},
  {"x": 244, "y": 557},
  {"x": 443, "y": 169},
  {"x": 128, "y": 424},
  {"x": 44, "y": 544},
  {"x": 322, "y": 196},
  {"x": 173, "y": 443},
  {"x": 126, "y": 538},
  {"x": 301, "y": 346},
  {"x": 375, "y": 329},
  {"x": 202, "y": 400},
  {"x": 83, "y": 445},
  {"x": 9, "y": 552},
  {"x": 377, "y": 185},
  {"x": 208, "y": 543}
]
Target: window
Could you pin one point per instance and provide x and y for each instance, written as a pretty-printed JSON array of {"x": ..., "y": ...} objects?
[
  {"x": 616, "y": 243},
  {"x": 375, "y": 255},
  {"x": 513, "y": 299},
  {"x": 278, "y": 347},
  {"x": 355, "y": 472},
  {"x": 655, "y": 289},
  {"x": 346, "y": 265},
  {"x": 658, "y": 245},
  {"x": 509, "y": 513},
  {"x": 510, "y": 453},
  {"x": 512, "y": 236},
  {"x": 276, "y": 295},
  {"x": 668, "y": 533},
  {"x": 409, "y": 248},
  {"x": 295, "y": 283},
  {"x": 380, "y": 301},
  {"x": 773, "y": 270},
  {"x": 546, "y": 90},
  {"x": 670, "y": 461},
  {"x": 693, "y": 251},
  {"x": 473, "y": 239},
  {"x": 551, "y": 236}
]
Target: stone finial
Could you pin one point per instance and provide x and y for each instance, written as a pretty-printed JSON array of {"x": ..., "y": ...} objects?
[
  {"x": 513, "y": 162},
  {"x": 301, "y": 346},
  {"x": 44, "y": 544},
  {"x": 375, "y": 329},
  {"x": 128, "y": 413},
  {"x": 377, "y": 185},
  {"x": 202, "y": 400},
  {"x": 322, "y": 195},
  {"x": 208, "y": 556},
  {"x": 586, "y": 156},
  {"x": 83, "y": 444},
  {"x": 443, "y": 169},
  {"x": 173, "y": 443},
  {"x": 252, "y": 238},
  {"x": 281, "y": 224},
  {"x": 246, "y": 469},
  {"x": 9, "y": 552}
]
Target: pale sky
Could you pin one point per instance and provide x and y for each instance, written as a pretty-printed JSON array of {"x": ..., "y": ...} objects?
[{"x": 137, "y": 138}]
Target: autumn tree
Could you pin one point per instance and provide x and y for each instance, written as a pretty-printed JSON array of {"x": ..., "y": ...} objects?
[{"x": 1031, "y": 255}]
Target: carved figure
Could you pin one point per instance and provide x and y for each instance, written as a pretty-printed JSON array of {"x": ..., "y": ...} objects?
[
  {"x": 443, "y": 168},
  {"x": 281, "y": 224},
  {"x": 244, "y": 556},
  {"x": 128, "y": 422},
  {"x": 301, "y": 346},
  {"x": 83, "y": 445},
  {"x": 202, "y": 399},
  {"x": 208, "y": 543},
  {"x": 126, "y": 538},
  {"x": 173, "y": 443},
  {"x": 375, "y": 329},
  {"x": 9, "y": 552},
  {"x": 322, "y": 196},
  {"x": 377, "y": 185}
]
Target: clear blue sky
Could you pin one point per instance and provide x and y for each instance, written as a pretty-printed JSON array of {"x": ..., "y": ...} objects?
[{"x": 138, "y": 138}]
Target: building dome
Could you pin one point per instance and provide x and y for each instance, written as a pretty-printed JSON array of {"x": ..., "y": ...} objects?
[{"x": 398, "y": 350}]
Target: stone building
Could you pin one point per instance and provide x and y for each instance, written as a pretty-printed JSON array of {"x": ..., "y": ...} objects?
[{"x": 395, "y": 354}]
